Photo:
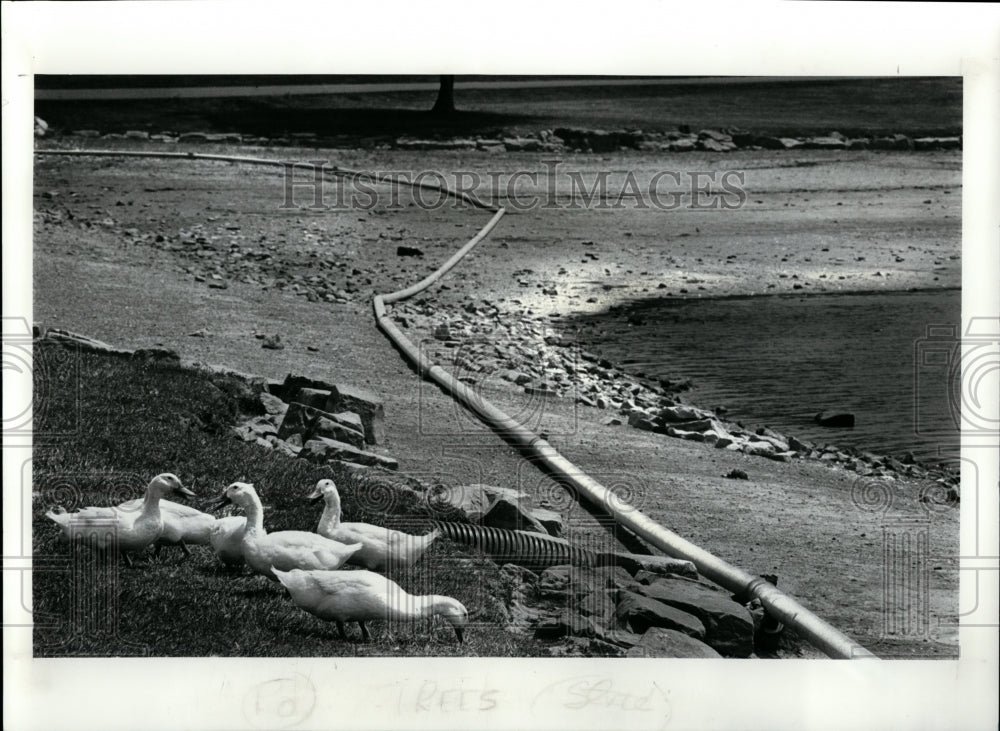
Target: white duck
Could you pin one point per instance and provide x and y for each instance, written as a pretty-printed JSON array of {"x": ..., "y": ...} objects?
[
  {"x": 134, "y": 530},
  {"x": 359, "y": 595},
  {"x": 285, "y": 550},
  {"x": 182, "y": 524},
  {"x": 381, "y": 547},
  {"x": 226, "y": 538}
]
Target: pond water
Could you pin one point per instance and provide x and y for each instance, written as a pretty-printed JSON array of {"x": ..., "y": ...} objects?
[{"x": 777, "y": 361}]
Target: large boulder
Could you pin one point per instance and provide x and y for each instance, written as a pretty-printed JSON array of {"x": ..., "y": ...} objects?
[
  {"x": 728, "y": 625},
  {"x": 664, "y": 642},
  {"x": 512, "y": 514},
  {"x": 638, "y": 613},
  {"x": 363, "y": 403},
  {"x": 310, "y": 422}
]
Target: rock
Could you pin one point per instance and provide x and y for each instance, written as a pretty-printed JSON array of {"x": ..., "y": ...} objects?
[
  {"x": 310, "y": 422},
  {"x": 790, "y": 143},
  {"x": 272, "y": 342},
  {"x": 639, "y": 613},
  {"x": 640, "y": 420},
  {"x": 678, "y": 414},
  {"x": 892, "y": 142},
  {"x": 292, "y": 450},
  {"x": 712, "y": 145},
  {"x": 193, "y": 137},
  {"x": 633, "y": 563},
  {"x": 736, "y": 474},
  {"x": 836, "y": 419},
  {"x": 664, "y": 642},
  {"x": 611, "y": 421},
  {"x": 937, "y": 143},
  {"x": 408, "y": 251},
  {"x": 443, "y": 332},
  {"x": 363, "y": 403},
  {"x": 768, "y": 142},
  {"x": 683, "y": 145},
  {"x": 779, "y": 444},
  {"x": 475, "y": 500},
  {"x": 728, "y": 625},
  {"x": 692, "y": 436},
  {"x": 41, "y": 127},
  {"x": 136, "y": 134},
  {"x": 315, "y": 398},
  {"x": 262, "y": 426},
  {"x": 322, "y": 449},
  {"x": 714, "y": 134},
  {"x": 824, "y": 143},
  {"x": 799, "y": 446},
  {"x": 512, "y": 514},
  {"x": 327, "y": 427},
  {"x": 550, "y": 520}
]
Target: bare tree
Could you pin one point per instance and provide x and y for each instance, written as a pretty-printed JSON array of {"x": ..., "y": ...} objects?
[{"x": 445, "y": 103}]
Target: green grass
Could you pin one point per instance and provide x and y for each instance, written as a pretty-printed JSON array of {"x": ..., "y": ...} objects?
[{"x": 105, "y": 425}]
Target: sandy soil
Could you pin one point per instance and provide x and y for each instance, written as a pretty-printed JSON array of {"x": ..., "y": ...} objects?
[{"x": 99, "y": 270}]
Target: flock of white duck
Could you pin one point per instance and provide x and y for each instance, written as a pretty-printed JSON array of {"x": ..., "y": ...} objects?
[{"x": 307, "y": 564}]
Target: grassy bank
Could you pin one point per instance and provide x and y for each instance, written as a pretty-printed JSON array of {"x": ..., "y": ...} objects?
[{"x": 122, "y": 420}]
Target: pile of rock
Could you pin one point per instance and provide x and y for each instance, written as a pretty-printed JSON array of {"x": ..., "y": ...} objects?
[
  {"x": 561, "y": 139},
  {"x": 612, "y": 611},
  {"x": 320, "y": 422},
  {"x": 607, "y": 602},
  {"x": 481, "y": 344}
]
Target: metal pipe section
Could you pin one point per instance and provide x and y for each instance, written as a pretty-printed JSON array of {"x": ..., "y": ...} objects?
[{"x": 778, "y": 604}]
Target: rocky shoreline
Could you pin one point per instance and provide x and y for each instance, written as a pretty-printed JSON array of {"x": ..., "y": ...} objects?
[
  {"x": 482, "y": 345},
  {"x": 557, "y": 140}
]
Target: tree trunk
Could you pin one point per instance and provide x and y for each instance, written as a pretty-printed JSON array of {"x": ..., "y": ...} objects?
[{"x": 445, "y": 103}]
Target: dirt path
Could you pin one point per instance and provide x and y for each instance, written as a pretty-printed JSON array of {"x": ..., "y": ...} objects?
[{"x": 99, "y": 270}]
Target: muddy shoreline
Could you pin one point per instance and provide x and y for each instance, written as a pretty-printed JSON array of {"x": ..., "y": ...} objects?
[{"x": 197, "y": 257}]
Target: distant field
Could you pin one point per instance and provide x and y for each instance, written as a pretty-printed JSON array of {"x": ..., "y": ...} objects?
[{"x": 928, "y": 106}]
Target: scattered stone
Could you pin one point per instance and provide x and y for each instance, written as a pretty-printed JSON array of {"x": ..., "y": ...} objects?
[
  {"x": 408, "y": 251},
  {"x": 736, "y": 474},
  {"x": 272, "y": 342}
]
